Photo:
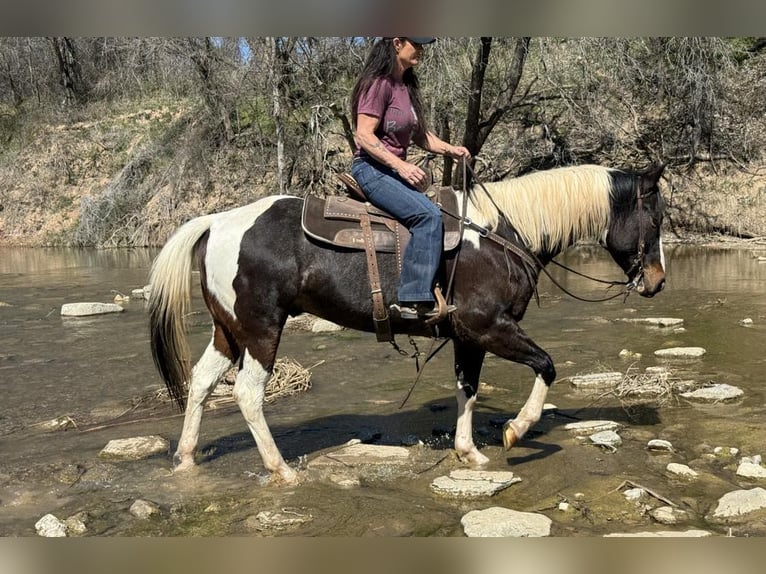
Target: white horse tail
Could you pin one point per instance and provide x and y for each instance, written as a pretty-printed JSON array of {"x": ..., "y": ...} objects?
[{"x": 169, "y": 303}]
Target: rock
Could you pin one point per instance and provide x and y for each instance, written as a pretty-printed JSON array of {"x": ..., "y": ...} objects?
[
  {"x": 626, "y": 354},
  {"x": 465, "y": 482},
  {"x": 634, "y": 494},
  {"x": 669, "y": 515},
  {"x": 659, "y": 444},
  {"x": 50, "y": 527},
  {"x": 606, "y": 438},
  {"x": 715, "y": 393},
  {"x": 746, "y": 322},
  {"x": 279, "y": 520},
  {"x": 587, "y": 428},
  {"x": 596, "y": 380},
  {"x": 751, "y": 470},
  {"x": 725, "y": 451},
  {"x": 680, "y": 353},
  {"x": 144, "y": 509},
  {"x": 134, "y": 448},
  {"x": 75, "y": 525},
  {"x": 661, "y": 534},
  {"x": 362, "y": 454},
  {"x": 137, "y": 293},
  {"x": 681, "y": 470},
  {"x": 324, "y": 326},
  {"x": 87, "y": 309},
  {"x": 345, "y": 480},
  {"x": 739, "y": 503},
  {"x": 656, "y": 321},
  {"x": 658, "y": 371},
  {"x": 564, "y": 506},
  {"x": 504, "y": 522}
]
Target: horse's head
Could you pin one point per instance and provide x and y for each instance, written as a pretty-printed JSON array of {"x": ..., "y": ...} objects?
[{"x": 633, "y": 237}]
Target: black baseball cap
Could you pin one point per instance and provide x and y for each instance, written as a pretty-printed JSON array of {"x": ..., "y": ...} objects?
[{"x": 423, "y": 40}]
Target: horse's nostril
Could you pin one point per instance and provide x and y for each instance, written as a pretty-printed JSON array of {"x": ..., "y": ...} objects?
[{"x": 661, "y": 286}]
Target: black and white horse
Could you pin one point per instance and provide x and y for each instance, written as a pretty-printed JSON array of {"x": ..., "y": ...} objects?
[{"x": 257, "y": 267}]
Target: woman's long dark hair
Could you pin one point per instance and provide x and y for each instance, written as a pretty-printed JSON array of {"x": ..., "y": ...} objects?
[{"x": 380, "y": 63}]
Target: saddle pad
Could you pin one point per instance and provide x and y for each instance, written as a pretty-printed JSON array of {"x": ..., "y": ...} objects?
[{"x": 335, "y": 220}]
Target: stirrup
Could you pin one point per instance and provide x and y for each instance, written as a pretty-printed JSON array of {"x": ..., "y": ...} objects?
[{"x": 441, "y": 310}]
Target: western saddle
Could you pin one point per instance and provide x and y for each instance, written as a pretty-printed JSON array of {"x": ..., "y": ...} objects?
[{"x": 352, "y": 222}]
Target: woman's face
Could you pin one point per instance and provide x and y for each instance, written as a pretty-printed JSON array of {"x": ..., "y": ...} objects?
[{"x": 408, "y": 53}]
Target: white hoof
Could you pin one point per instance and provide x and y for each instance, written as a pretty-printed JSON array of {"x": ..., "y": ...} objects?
[{"x": 474, "y": 458}]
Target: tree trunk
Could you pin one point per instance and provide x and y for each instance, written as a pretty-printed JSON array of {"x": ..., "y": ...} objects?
[
  {"x": 477, "y": 130},
  {"x": 69, "y": 69},
  {"x": 204, "y": 60},
  {"x": 276, "y": 75}
]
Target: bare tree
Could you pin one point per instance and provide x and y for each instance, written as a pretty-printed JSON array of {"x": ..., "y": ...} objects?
[{"x": 70, "y": 69}]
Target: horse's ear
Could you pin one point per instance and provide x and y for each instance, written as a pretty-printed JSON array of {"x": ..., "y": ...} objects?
[{"x": 653, "y": 173}]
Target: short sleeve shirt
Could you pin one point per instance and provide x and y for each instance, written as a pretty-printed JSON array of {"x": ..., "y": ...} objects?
[{"x": 389, "y": 101}]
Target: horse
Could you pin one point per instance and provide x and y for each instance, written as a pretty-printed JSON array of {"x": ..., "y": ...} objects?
[{"x": 257, "y": 267}]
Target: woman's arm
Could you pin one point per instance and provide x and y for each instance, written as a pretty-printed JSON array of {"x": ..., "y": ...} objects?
[
  {"x": 367, "y": 140},
  {"x": 431, "y": 142}
]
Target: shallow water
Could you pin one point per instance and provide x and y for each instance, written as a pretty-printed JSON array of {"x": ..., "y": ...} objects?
[{"x": 93, "y": 370}]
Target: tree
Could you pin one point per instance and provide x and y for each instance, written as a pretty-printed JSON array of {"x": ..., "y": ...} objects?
[{"x": 70, "y": 70}]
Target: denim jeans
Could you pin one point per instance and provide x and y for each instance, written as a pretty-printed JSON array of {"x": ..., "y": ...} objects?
[{"x": 420, "y": 262}]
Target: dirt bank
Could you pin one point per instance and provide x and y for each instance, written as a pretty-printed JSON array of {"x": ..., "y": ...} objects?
[{"x": 129, "y": 177}]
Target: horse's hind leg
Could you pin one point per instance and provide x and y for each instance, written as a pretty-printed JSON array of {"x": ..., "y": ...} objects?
[
  {"x": 205, "y": 375},
  {"x": 468, "y": 361},
  {"x": 249, "y": 391}
]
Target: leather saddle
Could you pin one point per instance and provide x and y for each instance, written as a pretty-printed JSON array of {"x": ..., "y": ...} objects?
[
  {"x": 336, "y": 220},
  {"x": 351, "y": 222}
]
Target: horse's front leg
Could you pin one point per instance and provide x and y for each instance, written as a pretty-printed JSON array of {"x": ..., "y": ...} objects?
[
  {"x": 468, "y": 361},
  {"x": 509, "y": 341}
]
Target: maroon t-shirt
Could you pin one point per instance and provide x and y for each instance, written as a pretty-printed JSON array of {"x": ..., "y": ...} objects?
[{"x": 389, "y": 101}]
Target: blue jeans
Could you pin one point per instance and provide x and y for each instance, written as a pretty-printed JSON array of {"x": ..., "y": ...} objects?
[{"x": 420, "y": 262}]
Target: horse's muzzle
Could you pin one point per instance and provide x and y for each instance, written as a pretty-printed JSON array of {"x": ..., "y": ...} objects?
[{"x": 651, "y": 281}]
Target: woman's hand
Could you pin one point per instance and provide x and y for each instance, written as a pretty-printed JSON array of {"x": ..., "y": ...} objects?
[
  {"x": 413, "y": 175},
  {"x": 457, "y": 152}
]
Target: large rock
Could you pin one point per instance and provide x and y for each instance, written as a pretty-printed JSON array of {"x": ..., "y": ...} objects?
[
  {"x": 739, "y": 503},
  {"x": 750, "y": 469},
  {"x": 325, "y": 326},
  {"x": 680, "y": 353},
  {"x": 596, "y": 380},
  {"x": 587, "y": 428},
  {"x": 87, "y": 309},
  {"x": 504, "y": 522},
  {"x": 681, "y": 470},
  {"x": 656, "y": 321},
  {"x": 465, "y": 482},
  {"x": 361, "y": 454},
  {"x": 50, "y": 527},
  {"x": 134, "y": 448},
  {"x": 715, "y": 393}
]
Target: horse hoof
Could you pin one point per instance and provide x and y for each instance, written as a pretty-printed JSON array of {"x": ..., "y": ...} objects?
[
  {"x": 509, "y": 436},
  {"x": 474, "y": 458},
  {"x": 182, "y": 464},
  {"x": 285, "y": 477}
]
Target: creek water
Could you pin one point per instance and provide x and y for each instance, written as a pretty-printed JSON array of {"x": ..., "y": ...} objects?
[{"x": 94, "y": 370}]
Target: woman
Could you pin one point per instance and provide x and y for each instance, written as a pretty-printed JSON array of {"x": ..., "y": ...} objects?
[{"x": 388, "y": 116}]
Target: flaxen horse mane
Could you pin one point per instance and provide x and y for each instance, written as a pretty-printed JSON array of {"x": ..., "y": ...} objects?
[{"x": 549, "y": 209}]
